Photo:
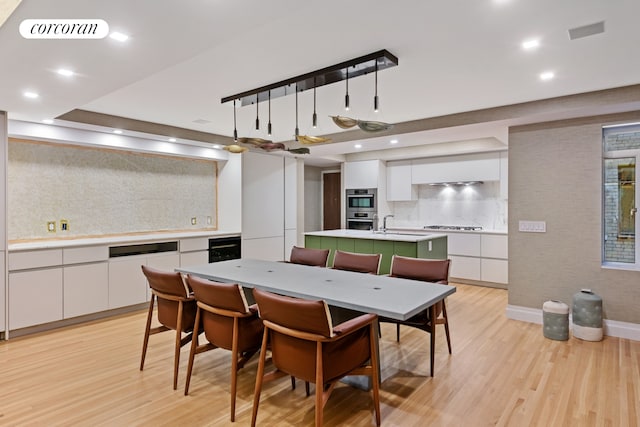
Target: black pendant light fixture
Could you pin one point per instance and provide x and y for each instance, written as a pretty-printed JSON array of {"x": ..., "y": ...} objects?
[
  {"x": 257, "y": 115},
  {"x": 375, "y": 97},
  {"x": 346, "y": 96},
  {"x": 314, "y": 120},
  {"x": 269, "y": 124},
  {"x": 297, "y": 131},
  {"x": 360, "y": 66},
  {"x": 235, "y": 131}
]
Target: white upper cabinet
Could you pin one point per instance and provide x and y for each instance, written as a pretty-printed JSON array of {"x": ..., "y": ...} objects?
[
  {"x": 471, "y": 167},
  {"x": 399, "y": 187},
  {"x": 362, "y": 174}
]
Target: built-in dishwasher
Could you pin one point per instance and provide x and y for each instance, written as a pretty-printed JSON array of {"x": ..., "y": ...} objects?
[{"x": 224, "y": 248}]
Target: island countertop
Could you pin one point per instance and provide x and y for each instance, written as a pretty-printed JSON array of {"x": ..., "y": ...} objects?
[{"x": 396, "y": 236}]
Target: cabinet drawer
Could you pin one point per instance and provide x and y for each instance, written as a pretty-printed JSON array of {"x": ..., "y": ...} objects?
[
  {"x": 193, "y": 245},
  {"x": 85, "y": 254},
  {"x": 86, "y": 289},
  {"x": 494, "y": 246},
  {"x": 35, "y": 259},
  {"x": 495, "y": 270},
  {"x": 465, "y": 267},
  {"x": 463, "y": 244},
  {"x": 35, "y": 297}
]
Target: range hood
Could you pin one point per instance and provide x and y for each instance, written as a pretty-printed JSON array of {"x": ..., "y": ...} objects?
[{"x": 455, "y": 183}]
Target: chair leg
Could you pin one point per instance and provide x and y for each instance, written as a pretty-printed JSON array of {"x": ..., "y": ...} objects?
[
  {"x": 306, "y": 388},
  {"x": 319, "y": 385},
  {"x": 176, "y": 357},
  {"x": 446, "y": 324},
  {"x": 293, "y": 382},
  {"x": 234, "y": 368},
  {"x": 145, "y": 341},
  {"x": 192, "y": 353},
  {"x": 432, "y": 332},
  {"x": 375, "y": 377},
  {"x": 259, "y": 377},
  {"x": 397, "y": 332}
]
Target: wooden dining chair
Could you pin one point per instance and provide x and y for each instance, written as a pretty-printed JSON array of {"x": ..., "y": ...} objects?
[
  {"x": 228, "y": 322},
  {"x": 361, "y": 263},
  {"x": 309, "y": 256},
  {"x": 176, "y": 311},
  {"x": 304, "y": 344},
  {"x": 426, "y": 270}
]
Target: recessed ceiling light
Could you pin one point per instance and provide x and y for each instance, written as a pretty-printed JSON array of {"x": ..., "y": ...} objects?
[
  {"x": 393, "y": 141},
  {"x": 118, "y": 131},
  {"x": 358, "y": 146},
  {"x": 172, "y": 140},
  {"x": 547, "y": 75},
  {"x": 119, "y": 36},
  {"x": 530, "y": 44},
  {"x": 31, "y": 95},
  {"x": 216, "y": 146},
  {"x": 47, "y": 121},
  {"x": 65, "y": 72}
]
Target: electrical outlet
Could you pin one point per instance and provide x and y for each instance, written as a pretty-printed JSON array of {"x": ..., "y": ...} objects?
[
  {"x": 64, "y": 225},
  {"x": 194, "y": 221},
  {"x": 208, "y": 220},
  {"x": 51, "y": 226}
]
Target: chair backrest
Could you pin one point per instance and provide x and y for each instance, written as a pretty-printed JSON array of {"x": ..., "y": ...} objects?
[
  {"x": 427, "y": 270},
  {"x": 361, "y": 263},
  {"x": 219, "y": 303},
  {"x": 309, "y": 256},
  {"x": 172, "y": 285},
  {"x": 166, "y": 282},
  {"x": 295, "y": 313}
]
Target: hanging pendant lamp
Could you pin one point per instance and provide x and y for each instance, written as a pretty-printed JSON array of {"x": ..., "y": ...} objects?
[
  {"x": 297, "y": 131},
  {"x": 257, "y": 115},
  {"x": 346, "y": 96},
  {"x": 314, "y": 120},
  {"x": 235, "y": 131},
  {"x": 269, "y": 124},
  {"x": 375, "y": 97}
]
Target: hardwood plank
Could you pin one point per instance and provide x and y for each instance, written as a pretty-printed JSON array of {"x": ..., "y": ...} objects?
[{"x": 502, "y": 372}]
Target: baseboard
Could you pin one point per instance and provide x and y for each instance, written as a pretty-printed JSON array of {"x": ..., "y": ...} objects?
[{"x": 612, "y": 328}]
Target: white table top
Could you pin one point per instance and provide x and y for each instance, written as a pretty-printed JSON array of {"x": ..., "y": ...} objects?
[
  {"x": 395, "y": 236},
  {"x": 386, "y": 296}
]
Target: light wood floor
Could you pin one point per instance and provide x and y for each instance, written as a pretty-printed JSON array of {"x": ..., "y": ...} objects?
[{"x": 502, "y": 372}]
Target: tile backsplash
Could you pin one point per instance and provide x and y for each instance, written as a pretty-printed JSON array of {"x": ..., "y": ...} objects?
[{"x": 477, "y": 205}]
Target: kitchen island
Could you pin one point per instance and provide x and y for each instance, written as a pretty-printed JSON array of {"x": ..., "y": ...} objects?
[{"x": 424, "y": 245}]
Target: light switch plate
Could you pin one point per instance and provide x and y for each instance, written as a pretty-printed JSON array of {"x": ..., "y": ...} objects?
[{"x": 532, "y": 226}]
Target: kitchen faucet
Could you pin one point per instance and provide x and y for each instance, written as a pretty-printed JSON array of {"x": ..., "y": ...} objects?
[{"x": 384, "y": 223}]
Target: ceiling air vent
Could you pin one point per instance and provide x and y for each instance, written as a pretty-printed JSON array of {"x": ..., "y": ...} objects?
[{"x": 586, "y": 30}]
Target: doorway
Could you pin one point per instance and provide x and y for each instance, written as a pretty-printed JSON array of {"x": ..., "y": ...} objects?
[{"x": 331, "y": 200}]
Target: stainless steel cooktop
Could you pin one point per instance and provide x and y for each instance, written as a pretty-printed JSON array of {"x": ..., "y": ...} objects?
[{"x": 453, "y": 227}]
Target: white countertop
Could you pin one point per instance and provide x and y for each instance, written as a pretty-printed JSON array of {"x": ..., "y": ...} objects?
[
  {"x": 419, "y": 230},
  {"x": 116, "y": 240},
  {"x": 396, "y": 236}
]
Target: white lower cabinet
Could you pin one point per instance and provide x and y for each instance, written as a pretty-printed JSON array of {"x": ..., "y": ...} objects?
[
  {"x": 478, "y": 256},
  {"x": 35, "y": 297},
  {"x": 495, "y": 270},
  {"x": 86, "y": 289},
  {"x": 194, "y": 258},
  {"x": 465, "y": 267},
  {"x": 127, "y": 284}
]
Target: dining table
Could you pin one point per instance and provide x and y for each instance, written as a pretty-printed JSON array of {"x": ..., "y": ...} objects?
[{"x": 386, "y": 296}]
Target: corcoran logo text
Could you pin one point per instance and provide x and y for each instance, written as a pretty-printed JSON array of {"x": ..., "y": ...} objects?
[{"x": 64, "y": 28}]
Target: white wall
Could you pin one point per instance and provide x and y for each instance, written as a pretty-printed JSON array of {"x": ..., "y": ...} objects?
[
  {"x": 312, "y": 198},
  {"x": 478, "y": 205}
]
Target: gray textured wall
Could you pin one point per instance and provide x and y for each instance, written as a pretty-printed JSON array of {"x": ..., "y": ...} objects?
[
  {"x": 555, "y": 175},
  {"x": 101, "y": 192}
]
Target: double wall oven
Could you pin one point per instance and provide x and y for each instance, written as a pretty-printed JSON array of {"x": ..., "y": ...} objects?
[{"x": 361, "y": 208}]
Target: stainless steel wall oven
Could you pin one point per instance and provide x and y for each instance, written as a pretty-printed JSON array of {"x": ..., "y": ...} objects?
[{"x": 361, "y": 208}]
